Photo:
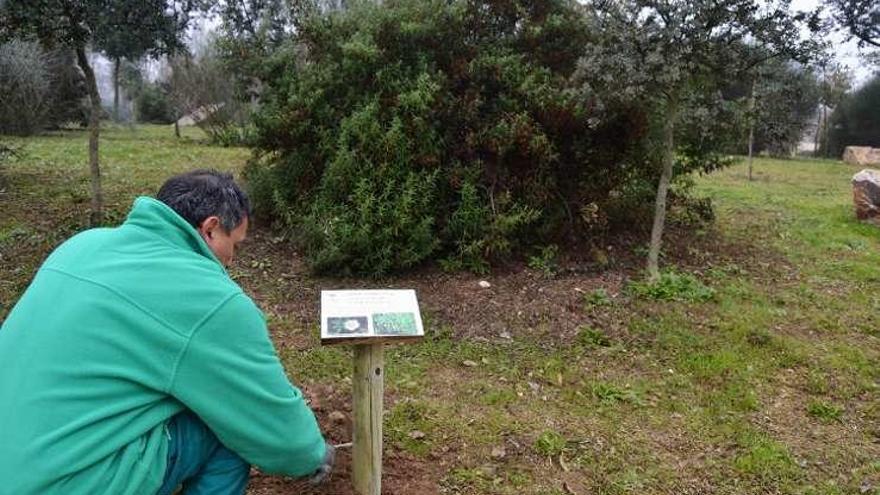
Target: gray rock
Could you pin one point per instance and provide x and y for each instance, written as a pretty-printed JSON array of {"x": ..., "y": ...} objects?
[{"x": 866, "y": 195}]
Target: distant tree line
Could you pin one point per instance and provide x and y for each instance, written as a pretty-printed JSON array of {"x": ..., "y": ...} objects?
[{"x": 856, "y": 121}]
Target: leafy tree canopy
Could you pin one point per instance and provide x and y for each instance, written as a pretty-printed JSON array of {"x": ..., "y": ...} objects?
[
  {"x": 860, "y": 17},
  {"x": 123, "y": 28}
]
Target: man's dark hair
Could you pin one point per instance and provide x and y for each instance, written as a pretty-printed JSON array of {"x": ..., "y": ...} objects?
[{"x": 202, "y": 193}]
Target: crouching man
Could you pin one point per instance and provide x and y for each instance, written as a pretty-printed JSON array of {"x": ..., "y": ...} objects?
[{"x": 133, "y": 364}]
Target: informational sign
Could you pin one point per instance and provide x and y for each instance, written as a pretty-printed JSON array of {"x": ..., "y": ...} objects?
[{"x": 363, "y": 315}]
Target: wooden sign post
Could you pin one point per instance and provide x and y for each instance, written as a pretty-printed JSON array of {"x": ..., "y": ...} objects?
[
  {"x": 368, "y": 392},
  {"x": 368, "y": 319}
]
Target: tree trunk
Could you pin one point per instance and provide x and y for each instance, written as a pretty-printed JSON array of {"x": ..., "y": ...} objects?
[
  {"x": 752, "y": 127},
  {"x": 97, "y": 213},
  {"x": 176, "y": 128},
  {"x": 816, "y": 136},
  {"x": 825, "y": 131},
  {"x": 822, "y": 121},
  {"x": 116, "y": 89},
  {"x": 663, "y": 187}
]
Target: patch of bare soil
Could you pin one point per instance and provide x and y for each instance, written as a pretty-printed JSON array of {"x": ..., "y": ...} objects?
[
  {"x": 402, "y": 474},
  {"x": 519, "y": 302}
]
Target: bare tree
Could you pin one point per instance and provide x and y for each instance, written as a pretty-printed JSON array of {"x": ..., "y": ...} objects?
[{"x": 200, "y": 87}]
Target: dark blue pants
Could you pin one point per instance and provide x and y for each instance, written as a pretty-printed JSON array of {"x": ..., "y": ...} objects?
[{"x": 199, "y": 463}]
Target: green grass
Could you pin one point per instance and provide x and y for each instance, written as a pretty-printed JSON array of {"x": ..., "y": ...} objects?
[
  {"x": 765, "y": 459},
  {"x": 46, "y": 188},
  {"x": 754, "y": 372}
]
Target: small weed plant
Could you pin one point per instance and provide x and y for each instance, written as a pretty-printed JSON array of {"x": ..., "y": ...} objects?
[
  {"x": 546, "y": 261},
  {"x": 610, "y": 394},
  {"x": 673, "y": 286},
  {"x": 597, "y": 298},
  {"x": 592, "y": 337},
  {"x": 550, "y": 444},
  {"x": 824, "y": 411}
]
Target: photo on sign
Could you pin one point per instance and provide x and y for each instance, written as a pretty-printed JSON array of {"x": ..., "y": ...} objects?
[
  {"x": 345, "y": 325},
  {"x": 395, "y": 324}
]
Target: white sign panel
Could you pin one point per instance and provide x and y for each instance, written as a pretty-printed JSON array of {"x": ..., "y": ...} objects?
[{"x": 359, "y": 314}]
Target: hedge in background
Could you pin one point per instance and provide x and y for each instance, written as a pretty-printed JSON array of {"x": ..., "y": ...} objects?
[{"x": 416, "y": 130}]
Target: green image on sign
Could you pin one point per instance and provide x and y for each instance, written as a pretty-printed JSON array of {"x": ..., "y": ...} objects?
[{"x": 395, "y": 324}]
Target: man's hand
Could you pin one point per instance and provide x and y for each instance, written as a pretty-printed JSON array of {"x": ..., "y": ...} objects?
[{"x": 326, "y": 467}]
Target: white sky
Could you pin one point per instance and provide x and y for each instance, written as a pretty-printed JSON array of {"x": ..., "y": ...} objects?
[{"x": 846, "y": 52}]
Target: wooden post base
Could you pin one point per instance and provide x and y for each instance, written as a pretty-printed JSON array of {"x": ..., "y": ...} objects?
[{"x": 368, "y": 394}]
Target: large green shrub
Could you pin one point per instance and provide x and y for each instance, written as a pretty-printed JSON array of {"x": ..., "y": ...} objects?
[
  {"x": 153, "y": 105},
  {"x": 391, "y": 134}
]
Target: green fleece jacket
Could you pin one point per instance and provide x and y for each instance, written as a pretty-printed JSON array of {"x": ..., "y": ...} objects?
[{"x": 121, "y": 329}]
